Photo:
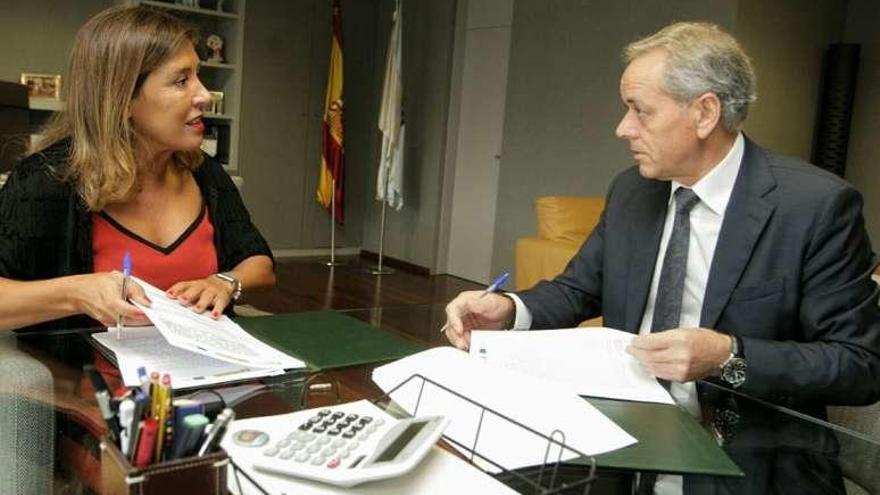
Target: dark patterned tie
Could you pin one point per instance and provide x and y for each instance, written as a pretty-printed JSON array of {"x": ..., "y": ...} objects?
[{"x": 670, "y": 289}]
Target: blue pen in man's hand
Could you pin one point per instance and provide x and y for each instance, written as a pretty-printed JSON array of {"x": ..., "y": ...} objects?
[
  {"x": 126, "y": 274},
  {"x": 496, "y": 284}
]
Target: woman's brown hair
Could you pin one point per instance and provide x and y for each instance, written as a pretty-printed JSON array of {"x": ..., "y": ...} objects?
[{"x": 112, "y": 55}]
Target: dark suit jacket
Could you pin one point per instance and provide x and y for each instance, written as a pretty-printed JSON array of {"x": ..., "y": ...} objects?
[{"x": 790, "y": 276}]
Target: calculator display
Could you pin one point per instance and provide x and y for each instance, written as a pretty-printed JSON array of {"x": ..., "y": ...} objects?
[{"x": 401, "y": 441}]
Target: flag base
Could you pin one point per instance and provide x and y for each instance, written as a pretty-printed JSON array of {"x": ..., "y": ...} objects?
[
  {"x": 380, "y": 270},
  {"x": 332, "y": 263}
]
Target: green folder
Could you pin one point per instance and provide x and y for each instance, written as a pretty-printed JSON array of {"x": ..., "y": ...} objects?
[
  {"x": 328, "y": 339},
  {"x": 670, "y": 440}
]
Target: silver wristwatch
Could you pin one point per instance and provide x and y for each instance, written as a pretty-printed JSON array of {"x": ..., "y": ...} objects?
[
  {"x": 733, "y": 370},
  {"x": 236, "y": 284}
]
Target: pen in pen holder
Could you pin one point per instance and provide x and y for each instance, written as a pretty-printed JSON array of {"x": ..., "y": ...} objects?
[
  {"x": 202, "y": 475},
  {"x": 203, "y": 472}
]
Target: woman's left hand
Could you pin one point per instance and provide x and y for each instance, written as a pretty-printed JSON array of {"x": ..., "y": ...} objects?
[{"x": 209, "y": 292}]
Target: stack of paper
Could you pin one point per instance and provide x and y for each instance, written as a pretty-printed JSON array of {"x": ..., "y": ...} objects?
[
  {"x": 540, "y": 408},
  {"x": 194, "y": 349},
  {"x": 589, "y": 361}
]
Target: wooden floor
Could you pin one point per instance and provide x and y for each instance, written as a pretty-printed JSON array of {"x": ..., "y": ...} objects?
[{"x": 306, "y": 285}]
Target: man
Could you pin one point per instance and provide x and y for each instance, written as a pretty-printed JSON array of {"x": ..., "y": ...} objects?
[{"x": 728, "y": 260}]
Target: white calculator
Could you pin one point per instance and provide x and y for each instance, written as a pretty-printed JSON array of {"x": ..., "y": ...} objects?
[{"x": 342, "y": 445}]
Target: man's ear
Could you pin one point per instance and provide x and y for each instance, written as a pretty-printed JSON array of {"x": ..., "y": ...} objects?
[{"x": 707, "y": 108}]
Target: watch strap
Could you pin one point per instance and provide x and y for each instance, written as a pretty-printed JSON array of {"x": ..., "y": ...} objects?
[
  {"x": 236, "y": 284},
  {"x": 738, "y": 349}
]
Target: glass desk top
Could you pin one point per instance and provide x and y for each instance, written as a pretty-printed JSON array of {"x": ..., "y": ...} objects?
[{"x": 50, "y": 423}]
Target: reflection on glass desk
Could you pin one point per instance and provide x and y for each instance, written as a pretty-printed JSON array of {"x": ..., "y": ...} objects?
[{"x": 50, "y": 423}]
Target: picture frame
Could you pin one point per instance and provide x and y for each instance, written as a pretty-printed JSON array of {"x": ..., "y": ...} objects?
[
  {"x": 42, "y": 85},
  {"x": 216, "y": 106}
]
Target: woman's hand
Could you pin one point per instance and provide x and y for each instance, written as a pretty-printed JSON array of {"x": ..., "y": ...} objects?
[
  {"x": 209, "y": 292},
  {"x": 99, "y": 295}
]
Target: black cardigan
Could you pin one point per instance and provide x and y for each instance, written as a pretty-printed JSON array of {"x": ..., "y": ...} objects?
[{"x": 46, "y": 228}]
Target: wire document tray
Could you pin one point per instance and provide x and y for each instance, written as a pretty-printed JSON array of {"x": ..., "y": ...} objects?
[{"x": 550, "y": 476}]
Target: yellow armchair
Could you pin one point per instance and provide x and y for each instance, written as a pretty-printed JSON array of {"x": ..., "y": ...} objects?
[{"x": 564, "y": 222}]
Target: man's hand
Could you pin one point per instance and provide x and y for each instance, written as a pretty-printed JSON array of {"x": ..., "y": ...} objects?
[
  {"x": 209, "y": 292},
  {"x": 682, "y": 354},
  {"x": 474, "y": 310}
]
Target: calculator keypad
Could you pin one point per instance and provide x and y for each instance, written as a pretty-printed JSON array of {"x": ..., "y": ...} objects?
[{"x": 325, "y": 439}]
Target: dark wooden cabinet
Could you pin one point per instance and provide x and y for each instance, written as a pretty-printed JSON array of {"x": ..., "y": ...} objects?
[{"x": 14, "y": 123}]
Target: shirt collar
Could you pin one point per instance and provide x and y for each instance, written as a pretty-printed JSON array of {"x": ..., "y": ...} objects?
[{"x": 714, "y": 188}]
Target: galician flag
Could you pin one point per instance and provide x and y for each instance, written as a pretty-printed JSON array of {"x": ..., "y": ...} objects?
[
  {"x": 332, "y": 155},
  {"x": 389, "y": 185}
]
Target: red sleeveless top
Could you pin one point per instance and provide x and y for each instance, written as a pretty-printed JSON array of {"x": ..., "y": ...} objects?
[{"x": 192, "y": 256}]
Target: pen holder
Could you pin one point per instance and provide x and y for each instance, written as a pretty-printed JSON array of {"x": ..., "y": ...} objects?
[{"x": 186, "y": 476}]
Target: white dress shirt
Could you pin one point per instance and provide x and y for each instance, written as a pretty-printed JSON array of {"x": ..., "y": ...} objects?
[{"x": 706, "y": 218}]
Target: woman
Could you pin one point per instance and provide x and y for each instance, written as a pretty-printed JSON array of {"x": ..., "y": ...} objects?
[{"x": 121, "y": 171}]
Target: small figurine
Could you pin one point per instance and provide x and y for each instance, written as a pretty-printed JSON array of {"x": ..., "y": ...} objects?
[{"x": 215, "y": 43}]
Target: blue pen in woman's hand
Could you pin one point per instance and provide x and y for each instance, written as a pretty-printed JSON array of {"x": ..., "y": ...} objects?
[
  {"x": 496, "y": 284},
  {"x": 126, "y": 274}
]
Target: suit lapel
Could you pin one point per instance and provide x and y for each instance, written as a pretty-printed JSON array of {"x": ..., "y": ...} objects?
[
  {"x": 747, "y": 214},
  {"x": 648, "y": 215}
]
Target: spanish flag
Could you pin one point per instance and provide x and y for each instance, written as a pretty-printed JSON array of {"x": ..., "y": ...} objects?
[{"x": 332, "y": 156}]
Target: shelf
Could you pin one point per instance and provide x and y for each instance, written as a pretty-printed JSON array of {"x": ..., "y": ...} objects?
[
  {"x": 47, "y": 104},
  {"x": 191, "y": 10},
  {"x": 216, "y": 65},
  {"x": 217, "y": 116}
]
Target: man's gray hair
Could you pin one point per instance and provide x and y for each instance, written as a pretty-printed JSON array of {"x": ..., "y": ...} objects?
[{"x": 702, "y": 58}]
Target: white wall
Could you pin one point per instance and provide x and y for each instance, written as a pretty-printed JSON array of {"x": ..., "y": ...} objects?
[
  {"x": 786, "y": 40},
  {"x": 481, "y": 118},
  {"x": 563, "y": 104}
]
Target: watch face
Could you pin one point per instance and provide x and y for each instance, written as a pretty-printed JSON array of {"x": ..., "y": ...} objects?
[{"x": 734, "y": 372}]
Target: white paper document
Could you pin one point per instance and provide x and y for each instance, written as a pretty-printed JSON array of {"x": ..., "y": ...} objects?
[
  {"x": 539, "y": 405},
  {"x": 221, "y": 338},
  {"x": 590, "y": 361},
  {"x": 145, "y": 346},
  {"x": 439, "y": 473}
]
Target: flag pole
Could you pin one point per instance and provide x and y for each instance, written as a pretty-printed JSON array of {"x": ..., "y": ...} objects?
[
  {"x": 379, "y": 269},
  {"x": 332, "y": 215}
]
